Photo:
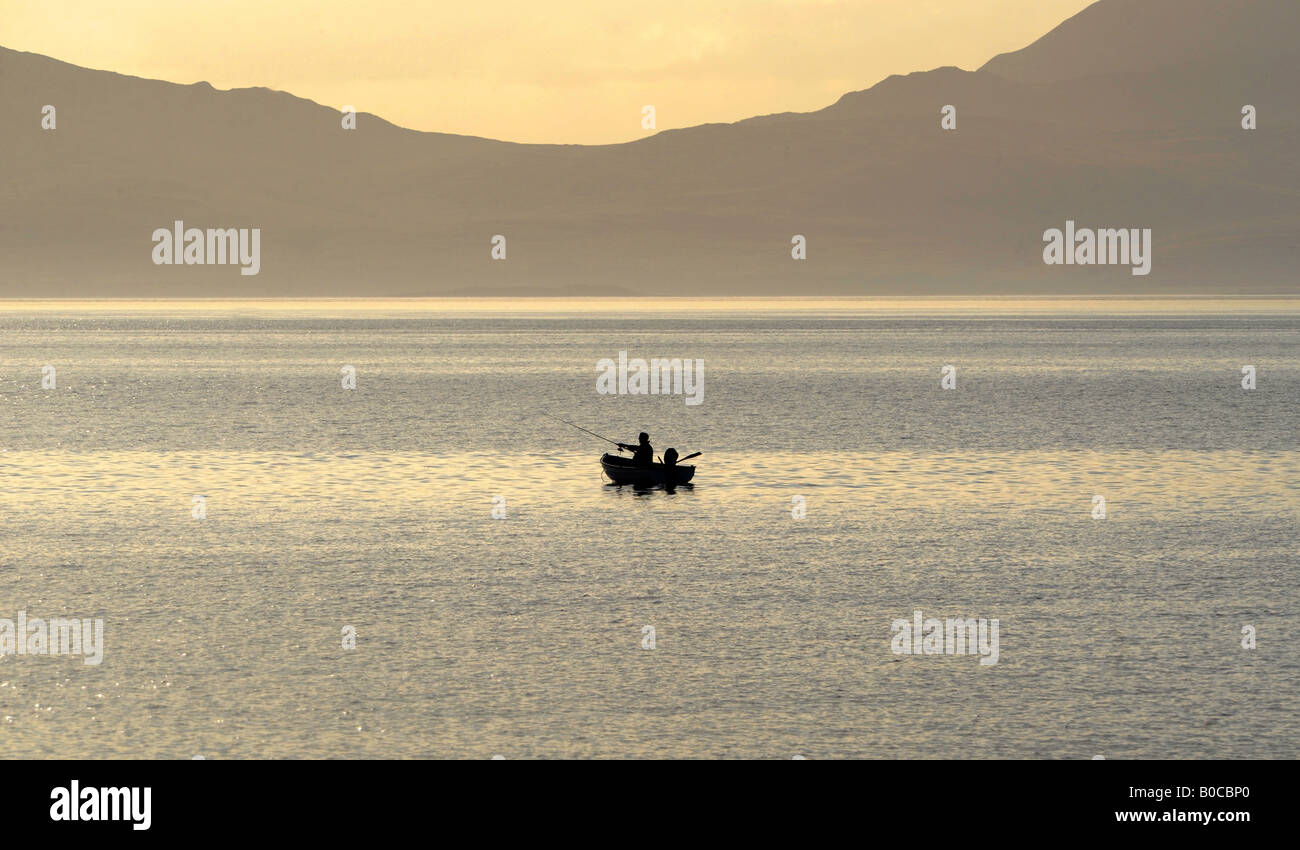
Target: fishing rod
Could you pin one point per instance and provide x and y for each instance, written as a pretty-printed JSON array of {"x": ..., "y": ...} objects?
[
  {"x": 592, "y": 433},
  {"x": 607, "y": 439}
]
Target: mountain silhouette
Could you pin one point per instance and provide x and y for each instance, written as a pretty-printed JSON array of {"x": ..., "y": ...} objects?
[{"x": 1127, "y": 115}]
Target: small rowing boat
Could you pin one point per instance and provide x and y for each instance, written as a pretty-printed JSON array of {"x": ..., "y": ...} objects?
[{"x": 622, "y": 470}]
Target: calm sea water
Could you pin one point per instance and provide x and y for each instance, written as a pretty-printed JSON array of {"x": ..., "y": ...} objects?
[{"x": 476, "y": 636}]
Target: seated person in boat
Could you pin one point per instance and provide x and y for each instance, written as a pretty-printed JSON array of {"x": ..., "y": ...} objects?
[{"x": 643, "y": 454}]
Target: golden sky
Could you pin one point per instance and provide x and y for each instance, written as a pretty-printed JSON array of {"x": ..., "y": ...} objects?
[{"x": 576, "y": 71}]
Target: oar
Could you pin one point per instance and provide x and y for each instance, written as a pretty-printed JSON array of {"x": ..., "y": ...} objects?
[{"x": 688, "y": 457}]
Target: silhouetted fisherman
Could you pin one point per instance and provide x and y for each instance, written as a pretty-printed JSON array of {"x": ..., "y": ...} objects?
[{"x": 643, "y": 454}]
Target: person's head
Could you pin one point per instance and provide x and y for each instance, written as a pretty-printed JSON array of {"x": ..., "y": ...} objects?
[{"x": 644, "y": 438}]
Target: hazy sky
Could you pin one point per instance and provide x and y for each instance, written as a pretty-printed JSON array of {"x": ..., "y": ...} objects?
[{"x": 530, "y": 71}]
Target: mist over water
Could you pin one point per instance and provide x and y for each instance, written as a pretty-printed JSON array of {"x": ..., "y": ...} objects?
[{"x": 477, "y": 636}]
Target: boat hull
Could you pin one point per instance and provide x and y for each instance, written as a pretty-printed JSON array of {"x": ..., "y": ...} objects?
[{"x": 621, "y": 471}]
